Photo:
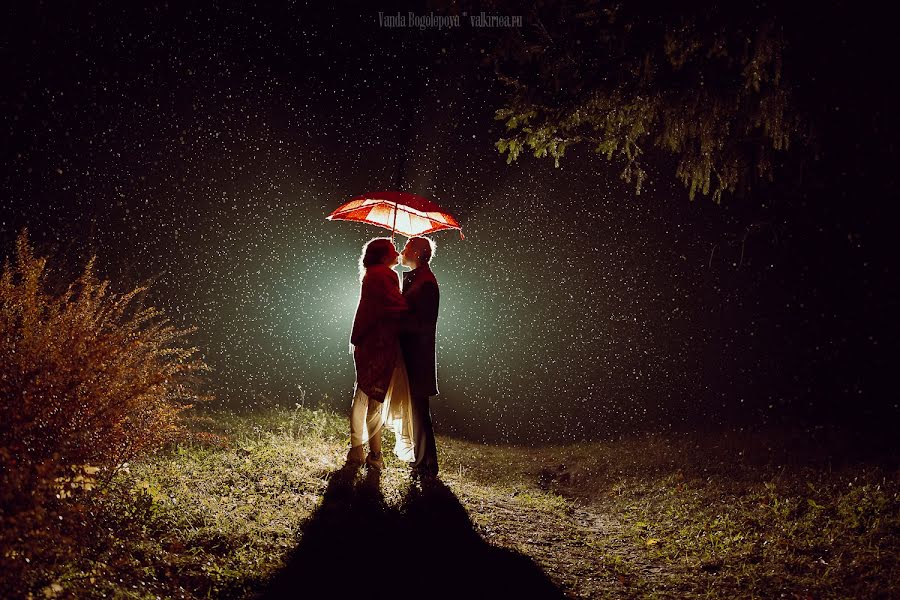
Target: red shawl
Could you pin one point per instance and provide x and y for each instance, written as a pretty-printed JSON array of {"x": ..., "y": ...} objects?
[{"x": 374, "y": 334}]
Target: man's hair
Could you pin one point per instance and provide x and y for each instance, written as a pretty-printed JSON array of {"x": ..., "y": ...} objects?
[
  {"x": 373, "y": 253},
  {"x": 424, "y": 246}
]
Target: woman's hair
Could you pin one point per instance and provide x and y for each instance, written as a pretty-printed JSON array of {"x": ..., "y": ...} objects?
[{"x": 373, "y": 253}]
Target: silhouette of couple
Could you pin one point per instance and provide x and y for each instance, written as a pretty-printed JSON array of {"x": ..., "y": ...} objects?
[{"x": 393, "y": 345}]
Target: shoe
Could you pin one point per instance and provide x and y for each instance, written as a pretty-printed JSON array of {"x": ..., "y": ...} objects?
[
  {"x": 355, "y": 457},
  {"x": 423, "y": 474},
  {"x": 375, "y": 461}
]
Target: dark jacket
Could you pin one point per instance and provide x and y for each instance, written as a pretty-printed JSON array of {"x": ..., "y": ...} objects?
[
  {"x": 375, "y": 326},
  {"x": 418, "y": 331}
]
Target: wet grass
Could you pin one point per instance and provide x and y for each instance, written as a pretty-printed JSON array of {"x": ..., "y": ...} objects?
[
  {"x": 655, "y": 516},
  {"x": 747, "y": 514}
]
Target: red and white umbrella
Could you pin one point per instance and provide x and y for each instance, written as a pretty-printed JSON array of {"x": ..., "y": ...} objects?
[{"x": 401, "y": 212}]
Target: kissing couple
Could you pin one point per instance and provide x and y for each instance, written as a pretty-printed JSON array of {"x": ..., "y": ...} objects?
[{"x": 393, "y": 346}]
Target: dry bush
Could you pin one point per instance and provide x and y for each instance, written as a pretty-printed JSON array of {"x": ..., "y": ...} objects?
[{"x": 89, "y": 379}]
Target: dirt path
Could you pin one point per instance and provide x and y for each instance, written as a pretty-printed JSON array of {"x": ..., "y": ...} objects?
[{"x": 585, "y": 552}]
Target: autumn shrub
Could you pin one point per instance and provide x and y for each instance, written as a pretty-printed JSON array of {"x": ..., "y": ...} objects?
[{"x": 89, "y": 379}]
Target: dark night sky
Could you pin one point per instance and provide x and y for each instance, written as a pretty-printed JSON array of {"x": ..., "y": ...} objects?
[{"x": 206, "y": 146}]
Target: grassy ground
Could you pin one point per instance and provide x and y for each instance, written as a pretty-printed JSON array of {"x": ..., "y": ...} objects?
[{"x": 269, "y": 511}]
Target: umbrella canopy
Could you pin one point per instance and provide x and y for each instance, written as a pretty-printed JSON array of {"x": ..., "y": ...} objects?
[{"x": 405, "y": 213}]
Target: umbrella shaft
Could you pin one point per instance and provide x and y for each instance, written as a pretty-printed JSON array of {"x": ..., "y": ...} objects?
[{"x": 394, "y": 226}]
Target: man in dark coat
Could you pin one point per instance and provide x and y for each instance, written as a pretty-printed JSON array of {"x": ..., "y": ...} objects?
[{"x": 417, "y": 343}]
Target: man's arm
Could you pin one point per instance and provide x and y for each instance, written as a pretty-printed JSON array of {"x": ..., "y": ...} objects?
[{"x": 423, "y": 311}]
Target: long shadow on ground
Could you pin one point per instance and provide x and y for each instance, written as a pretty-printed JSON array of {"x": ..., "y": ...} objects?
[{"x": 356, "y": 546}]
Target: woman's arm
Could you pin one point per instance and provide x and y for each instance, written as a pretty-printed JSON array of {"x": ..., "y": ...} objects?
[
  {"x": 379, "y": 298},
  {"x": 393, "y": 301}
]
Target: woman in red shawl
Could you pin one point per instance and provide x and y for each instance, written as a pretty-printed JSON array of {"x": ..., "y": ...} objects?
[{"x": 381, "y": 395}]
